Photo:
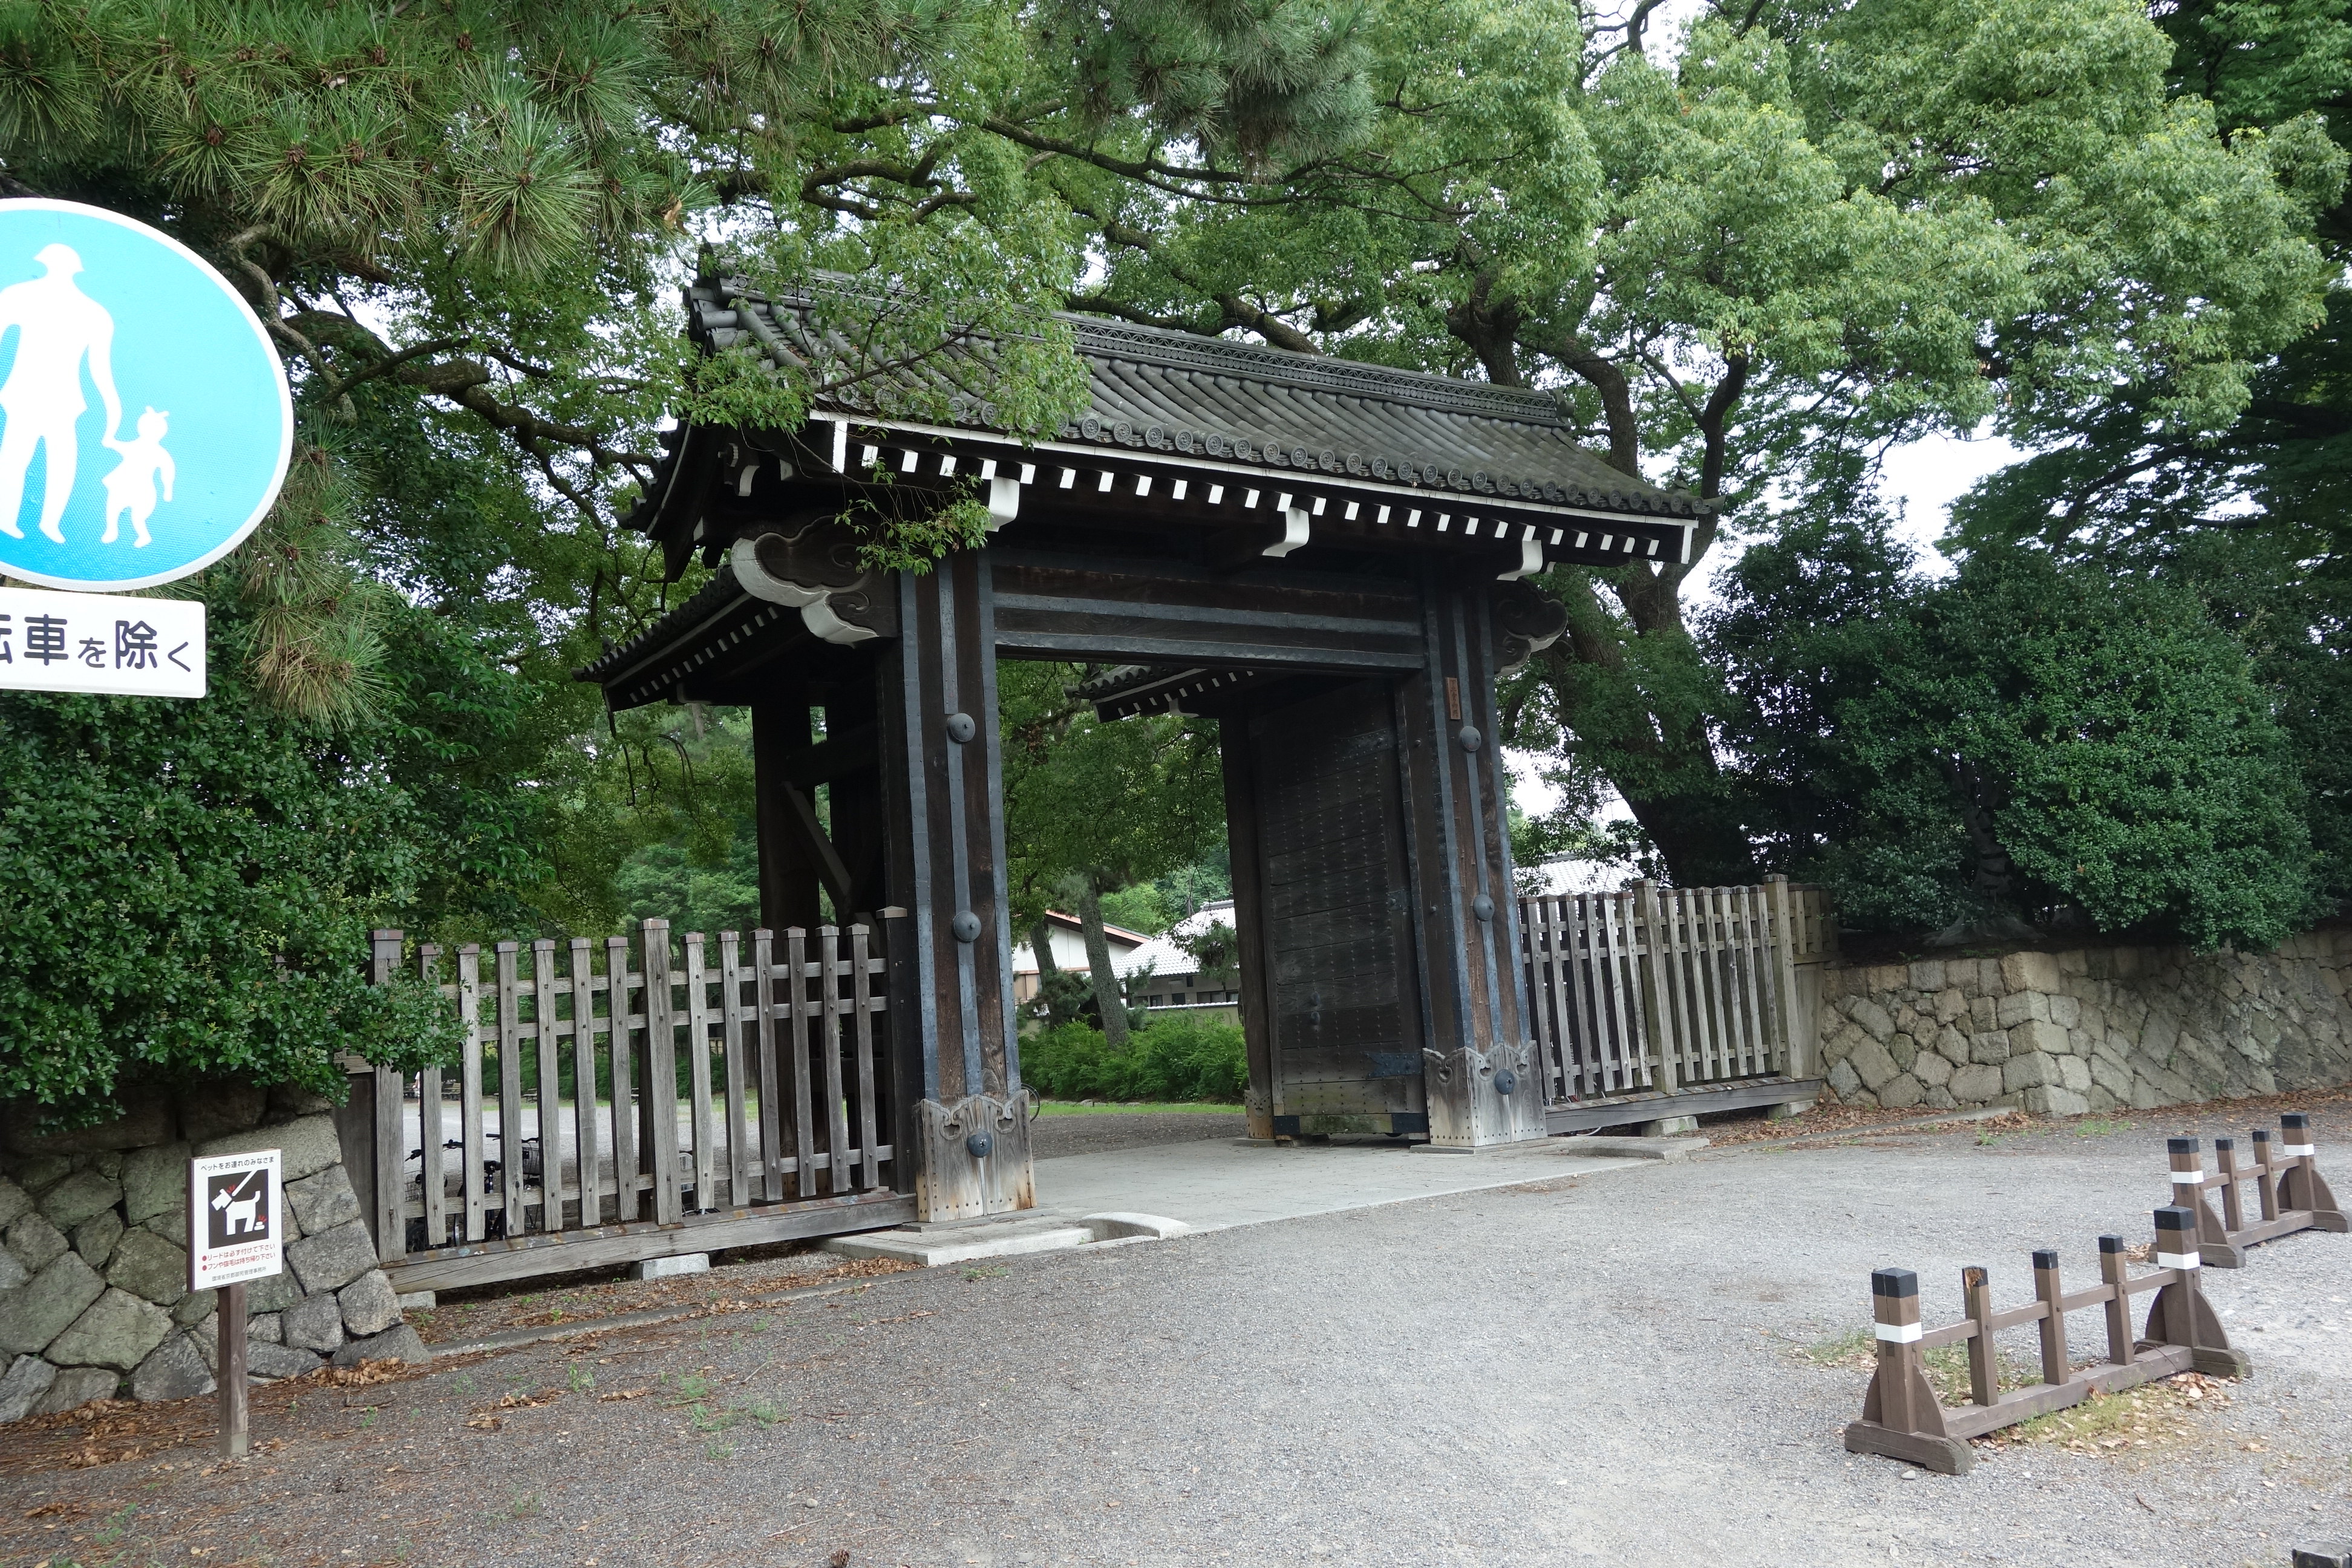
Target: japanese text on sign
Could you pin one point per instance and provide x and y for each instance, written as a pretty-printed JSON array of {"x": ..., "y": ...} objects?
[
  {"x": 101, "y": 642},
  {"x": 235, "y": 1215}
]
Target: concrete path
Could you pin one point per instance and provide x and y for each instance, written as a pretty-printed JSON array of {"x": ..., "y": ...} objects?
[{"x": 1213, "y": 1184}]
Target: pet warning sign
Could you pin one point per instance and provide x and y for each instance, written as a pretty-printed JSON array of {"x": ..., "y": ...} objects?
[{"x": 234, "y": 1218}]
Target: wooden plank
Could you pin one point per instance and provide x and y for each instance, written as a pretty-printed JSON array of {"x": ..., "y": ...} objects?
[
  {"x": 837, "y": 1154},
  {"x": 548, "y": 1101},
  {"x": 698, "y": 1067},
  {"x": 1605, "y": 964},
  {"x": 1784, "y": 977},
  {"x": 1675, "y": 954},
  {"x": 470, "y": 1177},
  {"x": 588, "y": 1156},
  {"x": 740, "y": 1164},
  {"x": 661, "y": 1072},
  {"x": 623, "y": 1017},
  {"x": 804, "y": 1099},
  {"x": 767, "y": 1038},
  {"x": 1638, "y": 1039},
  {"x": 1543, "y": 934},
  {"x": 1592, "y": 1082},
  {"x": 862, "y": 999},
  {"x": 610, "y": 1246},
  {"x": 1620, "y": 1111},
  {"x": 1657, "y": 992},
  {"x": 1714, "y": 940},
  {"x": 1751, "y": 1014},
  {"x": 432, "y": 1179},
  {"x": 510, "y": 1161}
]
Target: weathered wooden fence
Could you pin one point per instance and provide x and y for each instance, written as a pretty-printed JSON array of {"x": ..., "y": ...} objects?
[
  {"x": 1657, "y": 990},
  {"x": 620, "y": 1099}
]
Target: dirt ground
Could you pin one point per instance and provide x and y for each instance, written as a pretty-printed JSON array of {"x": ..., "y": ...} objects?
[{"x": 1601, "y": 1369}]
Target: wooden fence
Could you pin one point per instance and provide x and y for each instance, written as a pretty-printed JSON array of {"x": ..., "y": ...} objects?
[
  {"x": 1652, "y": 989},
  {"x": 622, "y": 1091}
]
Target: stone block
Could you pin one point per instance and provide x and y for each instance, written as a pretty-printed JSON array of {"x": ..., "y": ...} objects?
[
  {"x": 2039, "y": 1035},
  {"x": 220, "y": 1110},
  {"x": 146, "y": 1264},
  {"x": 39, "y": 1174},
  {"x": 333, "y": 1259},
  {"x": 155, "y": 1181},
  {"x": 172, "y": 1224},
  {"x": 198, "y": 1306},
  {"x": 12, "y": 1273},
  {"x": 2052, "y": 1100},
  {"x": 268, "y": 1363},
  {"x": 14, "y": 1203},
  {"x": 1902, "y": 1092},
  {"x": 2113, "y": 1076},
  {"x": 2020, "y": 1073},
  {"x": 36, "y": 1242},
  {"x": 289, "y": 1100},
  {"x": 268, "y": 1329},
  {"x": 2075, "y": 1073},
  {"x": 307, "y": 1145},
  {"x": 398, "y": 1343},
  {"x": 1927, "y": 975},
  {"x": 323, "y": 1201},
  {"x": 1951, "y": 1004},
  {"x": 1984, "y": 1013},
  {"x": 1843, "y": 1080},
  {"x": 1905, "y": 1049},
  {"x": 173, "y": 1370},
  {"x": 118, "y": 1330},
  {"x": 2029, "y": 972},
  {"x": 425, "y": 1300},
  {"x": 2065, "y": 1012},
  {"x": 2021, "y": 1006},
  {"x": 2098, "y": 1099},
  {"x": 314, "y": 1323},
  {"x": 1989, "y": 1048},
  {"x": 46, "y": 1305},
  {"x": 95, "y": 1237},
  {"x": 369, "y": 1307},
  {"x": 76, "y": 1386},
  {"x": 1931, "y": 1069},
  {"x": 273, "y": 1294},
  {"x": 1873, "y": 1018},
  {"x": 24, "y": 1385},
  {"x": 78, "y": 1197},
  {"x": 1870, "y": 1059}
]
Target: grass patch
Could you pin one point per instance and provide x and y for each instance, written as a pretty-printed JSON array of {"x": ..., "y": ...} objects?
[{"x": 1139, "y": 1108}]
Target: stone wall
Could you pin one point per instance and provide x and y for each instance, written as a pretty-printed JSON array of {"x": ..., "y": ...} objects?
[
  {"x": 2090, "y": 1030},
  {"x": 94, "y": 1299}
]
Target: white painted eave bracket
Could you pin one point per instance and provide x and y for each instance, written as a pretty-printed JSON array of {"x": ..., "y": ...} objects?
[{"x": 1295, "y": 524}]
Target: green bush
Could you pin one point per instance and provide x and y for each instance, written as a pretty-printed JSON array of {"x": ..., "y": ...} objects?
[{"x": 1171, "y": 1060}]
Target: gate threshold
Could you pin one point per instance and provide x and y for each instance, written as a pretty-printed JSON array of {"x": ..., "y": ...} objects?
[{"x": 1581, "y": 1116}]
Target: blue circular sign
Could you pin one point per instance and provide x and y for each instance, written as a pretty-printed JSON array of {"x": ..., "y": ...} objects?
[{"x": 145, "y": 423}]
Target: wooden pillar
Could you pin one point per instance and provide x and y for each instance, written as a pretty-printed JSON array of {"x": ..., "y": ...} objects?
[
  {"x": 1481, "y": 1069},
  {"x": 1246, "y": 839},
  {"x": 964, "y": 1114},
  {"x": 789, "y": 879}
]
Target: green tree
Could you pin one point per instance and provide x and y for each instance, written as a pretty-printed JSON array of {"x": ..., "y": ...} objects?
[{"x": 1094, "y": 808}]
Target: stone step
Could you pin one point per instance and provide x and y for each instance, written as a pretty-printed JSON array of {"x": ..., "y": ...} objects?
[{"x": 936, "y": 1245}]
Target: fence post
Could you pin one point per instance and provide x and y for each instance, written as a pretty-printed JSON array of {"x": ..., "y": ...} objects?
[
  {"x": 375, "y": 1122},
  {"x": 1795, "y": 1052}
]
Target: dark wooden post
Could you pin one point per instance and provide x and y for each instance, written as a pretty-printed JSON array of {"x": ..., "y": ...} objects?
[
  {"x": 2266, "y": 1174},
  {"x": 2056, "y": 1367},
  {"x": 235, "y": 1398},
  {"x": 1483, "y": 1086},
  {"x": 2117, "y": 1306},
  {"x": 965, "y": 1115},
  {"x": 788, "y": 877},
  {"x": 2180, "y": 1315},
  {"x": 1245, "y": 840}
]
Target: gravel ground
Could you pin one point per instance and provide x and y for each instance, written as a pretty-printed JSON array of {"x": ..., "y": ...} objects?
[
  {"x": 1604, "y": 1368},
  {"x": 1100, "y": 1132}
]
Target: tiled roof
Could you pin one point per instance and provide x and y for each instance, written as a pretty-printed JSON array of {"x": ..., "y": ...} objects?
[{"x": 1239, "y": 402}]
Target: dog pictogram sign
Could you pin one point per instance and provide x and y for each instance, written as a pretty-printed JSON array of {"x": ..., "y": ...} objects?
[{"x": 236, "y": 1216}]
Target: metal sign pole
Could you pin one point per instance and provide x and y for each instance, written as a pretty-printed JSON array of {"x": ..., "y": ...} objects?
[{"x": 235, "y": 1430}]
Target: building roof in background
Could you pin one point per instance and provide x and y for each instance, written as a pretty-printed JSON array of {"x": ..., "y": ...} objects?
[
  {"x": 1164, "y": 953},
  {"x": 1025, "y": 962}
]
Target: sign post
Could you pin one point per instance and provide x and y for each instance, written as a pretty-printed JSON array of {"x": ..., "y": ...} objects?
[
  {"x": 234, "y": 1228},
  {"x": 181, "y": 459}
]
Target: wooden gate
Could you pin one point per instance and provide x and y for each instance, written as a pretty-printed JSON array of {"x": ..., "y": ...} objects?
[
  {"x": 1655, "y": 990},
  {"x": 617, "y": 1101}
]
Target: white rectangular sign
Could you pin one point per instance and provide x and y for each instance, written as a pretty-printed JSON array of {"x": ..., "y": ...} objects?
[
  {"x": 100, "y": 642},
  {"x": 235, "y": 1218}
]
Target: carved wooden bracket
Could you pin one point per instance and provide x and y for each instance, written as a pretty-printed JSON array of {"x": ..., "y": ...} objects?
[
  {"x": 1527, "y": 621},
  {"x": 974, "y": 1157},
  {"x": 813, "y": 567},
  {"x": 1478, "y": 1098}
]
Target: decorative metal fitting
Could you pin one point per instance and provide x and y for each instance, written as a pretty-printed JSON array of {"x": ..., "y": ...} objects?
[
  {"x": 1506, "y": 1081},
  {"x": 965, "y": 926},
  {"x": 979, "y": 1145},
  {"x": 960, "y": 728},
  {"x": 1469, "y": 737},
  {"x": 1483, "y": 907}
]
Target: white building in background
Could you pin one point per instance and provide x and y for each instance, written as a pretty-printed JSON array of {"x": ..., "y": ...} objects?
[{"x": 1157, "y": 970}]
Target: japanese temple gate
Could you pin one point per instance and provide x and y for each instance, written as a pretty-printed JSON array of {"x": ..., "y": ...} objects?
[{"x": 1329, "y": 558}]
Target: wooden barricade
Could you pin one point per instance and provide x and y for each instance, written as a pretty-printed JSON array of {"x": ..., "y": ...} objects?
[
  {"x": 1903, "y": 1419},
  {"x": 2290, "y": 1194}
]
